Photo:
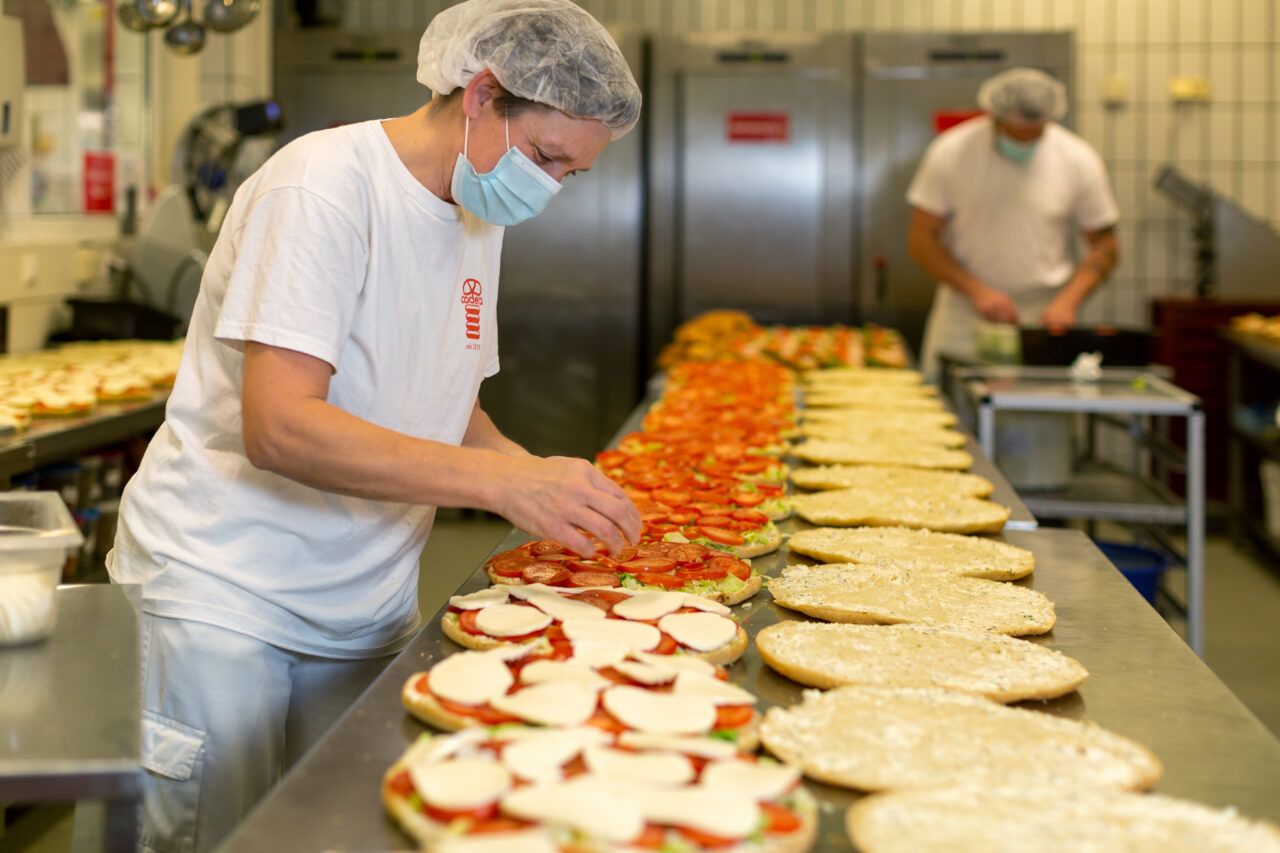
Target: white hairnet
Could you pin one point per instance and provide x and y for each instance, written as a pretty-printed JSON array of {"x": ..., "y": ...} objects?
[
  {"x": 549, "y": 51},
  {"x": 1023, "y": 93}
]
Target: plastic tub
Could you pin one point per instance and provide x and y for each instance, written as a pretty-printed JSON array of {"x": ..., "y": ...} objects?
[
  {"x": 1140, "y": 565},
  {"x": 36, "y": 531}
]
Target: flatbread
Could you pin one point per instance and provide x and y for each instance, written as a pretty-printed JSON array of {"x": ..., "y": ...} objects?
[
  {"x": 919, "y": 508},
  {"x": 862, "y": 431},
  {"x": 820, "y": 654},
  {"x": 891, "y": 478},
  {"x": 891, "y": 399},
  {"x": 826, "y": 452},
  {"x": 916, "y": 549},
  {"x": 878, "y": 595},
  {"x": 879, "y": 738},
  {"x": 862, "y": 376},
  {"x": 873, "y": 417},
  {"x": 1075, "y": 820}
]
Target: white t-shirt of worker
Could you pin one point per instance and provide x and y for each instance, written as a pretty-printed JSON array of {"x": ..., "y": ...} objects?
[
  {"x": 1013, "y": 225},
  {"x": 334, "y": 250}
]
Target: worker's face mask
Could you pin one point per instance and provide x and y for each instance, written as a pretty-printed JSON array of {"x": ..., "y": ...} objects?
[
  {"x": 1018, "y": 152},
  {"x": 515, "y": 190}
]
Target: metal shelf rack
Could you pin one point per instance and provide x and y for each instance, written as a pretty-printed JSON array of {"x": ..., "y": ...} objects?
[{"x": 1128, "y": 399}]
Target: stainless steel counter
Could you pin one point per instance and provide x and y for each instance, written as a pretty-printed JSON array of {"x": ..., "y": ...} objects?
[
  {"x": 54, "y": 439},
  {"x": 69, "y": 710},
  {"x": 1145, "y": 683}
]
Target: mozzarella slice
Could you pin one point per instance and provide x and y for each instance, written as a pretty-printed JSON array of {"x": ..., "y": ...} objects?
[
  {"x": 523, "y": 591},
  {"x": 464, "y": 783},
  {"x": 559, "y": 607},
  {"x": 584, "y": 803},
  {"x": 646, "y": 673},
  {"x": 713, "y": 689},
  {"x": 649, "y": 605},
  {"x": 511, "y": 620},
  {"x": 677, "y": 662},
  {"x": 750, "y": 779},
  {"x": 658, "y": 769},
  {"x": 697, "y": 602},
  {"x": 718, "y": 812},
  {"x": 664, "y": 713},
  {"x": 702, "y": 747},
  {"x": 540, "y": 671},
  {"x": 594, "y": 653},
  {"x": 636, "y": 636},
  {"x": 483, "y": 598},
  {"x": 471, "y": 678},
  {"x": 555, "y": 703},
  {"x": 525, "y": 840},
  {"x": 429, "y": 750},
  {"x": 540, "y": 754},
  {"x": 700, "y": 631}
]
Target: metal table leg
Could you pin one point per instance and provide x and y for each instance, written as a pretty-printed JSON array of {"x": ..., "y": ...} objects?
[{"x": 1195, "y": 531}]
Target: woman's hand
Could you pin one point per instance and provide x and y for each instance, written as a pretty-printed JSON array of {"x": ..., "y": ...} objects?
[
  {"x": 559, "y": 497},
  {"x": 994, "y": 306}
]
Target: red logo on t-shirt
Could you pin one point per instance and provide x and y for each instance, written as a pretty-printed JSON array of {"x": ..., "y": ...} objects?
[{"x": 471, "y": 302}]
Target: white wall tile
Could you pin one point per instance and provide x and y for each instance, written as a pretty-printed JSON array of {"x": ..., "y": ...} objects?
[
  {"x": 1258, "y": 76},
  {"x": 1224, "y": 22},
  {"x": 972, "y": 15},
  {"x": 1005, "y": 14},
  {"x": 1095, "y": 27},
  {"x": 1157, "y": 27},
  {"x": 1035, "y": 14},
  {"x": 1127, "y": 13},
  {"x": 1129, "y": 67},
  {"x": 1224, "y": 67},
  {"x": 1192, "y": 21},
  {"x": 1227, "y": 181},
  {"x": 1090, "y": 125},
  {"x": 1222, "y": 132},
  {"x": 1064, "y": 14},
  {"x": 1125, "y": 122},
  {"x": 885, "y": 15},
  {"x": 1255, "y": 25},
  {"x": 1191, "y": 61},
  {"x": 1091, "y": 70},
  {"x": 1257, "y": 142},
  {"x": 1160, "y": 64},
  {"x": 1128, "y": 187}
]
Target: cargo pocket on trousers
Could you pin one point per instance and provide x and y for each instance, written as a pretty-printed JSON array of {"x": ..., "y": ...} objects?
[{"x": 173, "y": 755}]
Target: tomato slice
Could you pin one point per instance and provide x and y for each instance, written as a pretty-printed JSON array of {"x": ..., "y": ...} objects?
[
  {"x": 611, "y": 458},
  {"x": 601, "y": 719},
  {"x": 680, "y": 518},
  {"x": 551, "y": 575},
  {"x": 480, "y": 813},
  {"x": 691, "y": 553},
  {"x": 604, "y": 599},
  {"x": 659, "y": 530},
  {"x": 721, "y": 535},
  {"x": 747, "y": 498},
  {"x": 751, "y": 516},
  {"x": 715, "y": 520},
  {"x": 740, "y": 569},
  {"x": 701, "y": 574},
  {"x": 666, "y": 581},
  {"x": 401, "y": 784},
  {"x": 779, "y": 819},
  {"x": 511, "y": 568},
  {"x": 546, "y": 546},
  {"x": 666, "y": 646},
  {"x": 652, "y": 838},
  {"x": 593, "y": 579},
  {"x": 733, "y": 716},
  {"x": 650, "y": 564},
  {"x": 670, "y": 497},
  {"x": 706, "y": 840},
  {"x": 502, "y": 823}
]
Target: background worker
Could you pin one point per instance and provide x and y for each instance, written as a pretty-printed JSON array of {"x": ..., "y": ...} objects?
[{"x": 997, "y": 203}]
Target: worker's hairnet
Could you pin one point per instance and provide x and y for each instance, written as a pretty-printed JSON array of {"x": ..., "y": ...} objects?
[
  {"x": 549, "y": 51},
  {"x": 1023, "y": 93}
]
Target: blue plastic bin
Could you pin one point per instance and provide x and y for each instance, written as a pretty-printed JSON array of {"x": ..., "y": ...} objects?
[{"x": 1142, "y": 566}]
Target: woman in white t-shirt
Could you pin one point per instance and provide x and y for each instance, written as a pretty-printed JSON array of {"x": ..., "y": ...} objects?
[
  {"x": 997, "y": 203},
  {"x": 327, "y": 403}
]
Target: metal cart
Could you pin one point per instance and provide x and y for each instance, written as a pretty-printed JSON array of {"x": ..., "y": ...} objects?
[{"x": 1131, "y": 400}]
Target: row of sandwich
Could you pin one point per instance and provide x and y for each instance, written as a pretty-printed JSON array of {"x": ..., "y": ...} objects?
[{"x": 593, "y": 706}]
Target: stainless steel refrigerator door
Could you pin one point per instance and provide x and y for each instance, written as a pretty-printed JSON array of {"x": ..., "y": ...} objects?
[
  {"x": 907, "y": 79},
  {"x": 752, "y": 178}
]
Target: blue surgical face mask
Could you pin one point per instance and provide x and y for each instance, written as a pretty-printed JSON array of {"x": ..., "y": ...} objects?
[
  {"x": 1018, "y": 152},
  {"x": 515, "y": 190}
]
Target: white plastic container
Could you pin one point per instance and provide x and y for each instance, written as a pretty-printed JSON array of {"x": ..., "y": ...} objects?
[
  {"x": 36, "y": 531},
  {"x": 1034, "y": 449}
]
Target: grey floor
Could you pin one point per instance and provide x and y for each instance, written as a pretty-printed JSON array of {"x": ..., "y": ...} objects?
[{"x": 1242, "y": 644}]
